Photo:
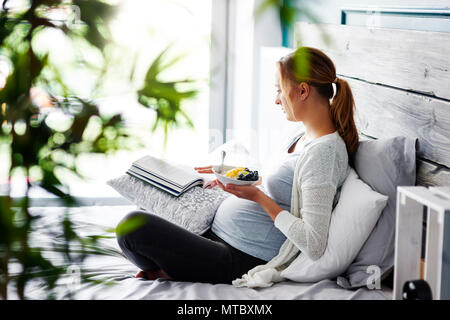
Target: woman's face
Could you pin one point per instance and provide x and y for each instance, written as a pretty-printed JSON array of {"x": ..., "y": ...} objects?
[{"x": 287, "y": 98}]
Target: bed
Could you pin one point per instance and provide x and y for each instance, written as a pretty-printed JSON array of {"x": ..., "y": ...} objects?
[
  {"x": 400, "y": 85},
  {"x": 91, "y": 220}
]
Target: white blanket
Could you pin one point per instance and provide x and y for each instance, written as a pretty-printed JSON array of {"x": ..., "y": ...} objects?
[{"x": 91, "y": 220}]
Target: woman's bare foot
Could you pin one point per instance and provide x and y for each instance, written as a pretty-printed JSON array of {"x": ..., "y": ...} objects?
[
  {"x": 152, "y": 275},
  {"x": 141, "y": 274}
]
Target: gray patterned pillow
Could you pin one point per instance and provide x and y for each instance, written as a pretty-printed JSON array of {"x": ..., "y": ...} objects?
[{"x": 194, "y": 210}]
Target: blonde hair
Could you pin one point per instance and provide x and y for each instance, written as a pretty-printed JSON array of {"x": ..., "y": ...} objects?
[{"x": 314, "y": 67}]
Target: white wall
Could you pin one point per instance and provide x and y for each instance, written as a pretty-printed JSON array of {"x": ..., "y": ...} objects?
[
  {"x": 246, "y": 66},
  {"x": 267, "y": 34},
  {"x": 273, "y": 127}
]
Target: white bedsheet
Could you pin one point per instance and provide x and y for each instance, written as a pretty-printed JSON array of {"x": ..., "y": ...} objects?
[{"x": 91, "y": 220}]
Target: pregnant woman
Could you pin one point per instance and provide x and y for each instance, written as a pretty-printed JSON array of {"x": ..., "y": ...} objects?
[{"x": 260, "y": 229}]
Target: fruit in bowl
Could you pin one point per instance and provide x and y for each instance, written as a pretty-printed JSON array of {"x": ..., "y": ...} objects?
[{"x": 235, "y": 175}]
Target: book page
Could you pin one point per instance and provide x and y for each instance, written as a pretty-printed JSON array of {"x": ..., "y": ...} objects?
[
  {"x": 179, "y": 175},
  {"x": 154, "y": 183},
  {"x": 154, "y": 178}
]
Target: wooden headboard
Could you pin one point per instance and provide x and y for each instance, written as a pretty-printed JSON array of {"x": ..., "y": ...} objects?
[{"x": 401, "y": 84}]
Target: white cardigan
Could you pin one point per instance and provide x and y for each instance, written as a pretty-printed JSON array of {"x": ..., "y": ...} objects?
[{"x": 321, "y": 168}]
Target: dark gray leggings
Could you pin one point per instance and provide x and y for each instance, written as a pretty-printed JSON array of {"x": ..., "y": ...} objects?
[{"x": 183, "y": 255}]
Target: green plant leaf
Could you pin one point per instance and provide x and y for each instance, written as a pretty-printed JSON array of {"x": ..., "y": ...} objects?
[
  {"x": 164, "y": 96},
  {"x": 130, "y": 225}
]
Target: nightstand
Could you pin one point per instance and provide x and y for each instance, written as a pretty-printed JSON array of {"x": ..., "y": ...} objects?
[{"x": 408, "y": 239}]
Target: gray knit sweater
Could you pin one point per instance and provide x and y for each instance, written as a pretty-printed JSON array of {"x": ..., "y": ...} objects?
[{"x": 321, "y": 168}]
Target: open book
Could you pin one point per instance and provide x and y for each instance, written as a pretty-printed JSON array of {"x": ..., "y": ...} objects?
[{"x": 174, "y": 179}]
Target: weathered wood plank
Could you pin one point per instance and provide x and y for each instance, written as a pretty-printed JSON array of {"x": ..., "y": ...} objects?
[
  {"x": 412, "y": 60},
  {"x": 429, "y": 174},
  {"x": 384, "y": 112}
]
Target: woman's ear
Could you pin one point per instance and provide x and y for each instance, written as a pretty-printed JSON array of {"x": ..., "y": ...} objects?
[{"x": 303, "y": 90}]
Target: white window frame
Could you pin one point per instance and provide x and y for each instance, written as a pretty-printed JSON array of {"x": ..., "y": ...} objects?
[
  {"x": 219, "y": 72},
  {"x": 236, "y": 44}
]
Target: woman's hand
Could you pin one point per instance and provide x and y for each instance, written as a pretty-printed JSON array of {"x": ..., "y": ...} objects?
[
  {"x": 249, "y": 192},
  {"x": 207, "y": 169},
  {"x": 210, "y": 184}
]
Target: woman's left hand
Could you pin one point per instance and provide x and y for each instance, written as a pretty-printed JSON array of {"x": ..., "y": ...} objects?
[{"x": 249, "y": 192}]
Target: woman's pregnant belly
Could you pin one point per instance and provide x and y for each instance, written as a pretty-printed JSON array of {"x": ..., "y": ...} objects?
[{"x": 246, "y": 226}]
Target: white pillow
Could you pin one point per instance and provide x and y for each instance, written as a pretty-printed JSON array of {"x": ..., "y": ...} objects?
[{"x": 352, "y": 221}]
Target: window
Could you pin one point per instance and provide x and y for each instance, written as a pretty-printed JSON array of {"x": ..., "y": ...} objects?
[{"x": 141, "y": 30}]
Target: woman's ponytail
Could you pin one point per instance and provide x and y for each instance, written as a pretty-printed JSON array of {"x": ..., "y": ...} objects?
[
  {"x": 314, "y": 67},
  {"x": 341, "y": 112}
]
